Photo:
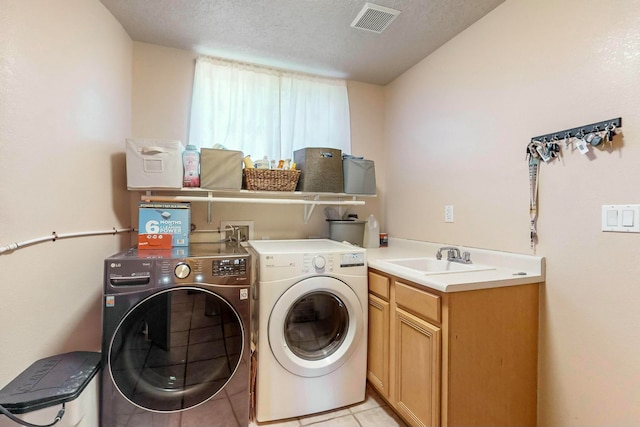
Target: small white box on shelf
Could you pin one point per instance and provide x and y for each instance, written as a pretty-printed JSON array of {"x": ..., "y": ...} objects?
[{"x": 154, "y": 163}]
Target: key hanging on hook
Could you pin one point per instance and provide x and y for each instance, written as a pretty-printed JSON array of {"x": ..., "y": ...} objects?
[
  {"x": 581, "y": 144},
  {"x": 554, "y": 147},
  {"x": 610, "y": 132},
  {"x": 596, "y": 139},
  {"x": 567, "y": 140},
  {"x": 542, "y": 148}
]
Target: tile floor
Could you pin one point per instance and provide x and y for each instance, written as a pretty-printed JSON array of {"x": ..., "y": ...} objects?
[{"x": 373, "y": 412}]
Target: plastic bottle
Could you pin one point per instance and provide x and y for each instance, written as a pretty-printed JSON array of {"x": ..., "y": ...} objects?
[
  {"x": 262, "y": 164},
  {"x": 372, "y": 233},
  {"x": 248, "y": 163},
  {"x": 191, "y": 163}
]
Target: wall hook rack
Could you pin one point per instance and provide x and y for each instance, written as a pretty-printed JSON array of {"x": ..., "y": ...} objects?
[
  {"x": 546, "y": 148},
  {"x": 578, "y": 131}
]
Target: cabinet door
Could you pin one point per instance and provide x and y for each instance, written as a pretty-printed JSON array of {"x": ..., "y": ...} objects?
[
  {"x": 417, "y": 369},
  {"x": 378, "y": 351}
]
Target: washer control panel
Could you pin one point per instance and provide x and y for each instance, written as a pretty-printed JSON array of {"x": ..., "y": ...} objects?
[
  {"x": 352, "y": 259},
  {"x": 229, "y": 267},
  {"x": 149, "y": 269},
  {"x": 220, "y": 270},
  {"x": 318, "y": 263},
  {"x": 182, "y": 270},
  {"x": 328, "y": 262}
]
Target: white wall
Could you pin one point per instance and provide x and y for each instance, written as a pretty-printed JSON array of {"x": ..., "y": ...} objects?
[
  {"x": 456, "y": 130},
  {"x": 65, "y": 108},
  {"x": 162, "y": 84}
]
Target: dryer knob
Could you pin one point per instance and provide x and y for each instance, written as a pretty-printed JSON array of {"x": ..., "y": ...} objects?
[
  {"x": 182, "y": 270},
  {"x": 319, "y": 262}
]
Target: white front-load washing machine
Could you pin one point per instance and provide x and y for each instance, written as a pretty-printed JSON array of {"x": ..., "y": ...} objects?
[{"x": 311, "y": 317}]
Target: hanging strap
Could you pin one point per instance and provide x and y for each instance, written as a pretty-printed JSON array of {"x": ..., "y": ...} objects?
[{"x": 534, "y": 167}]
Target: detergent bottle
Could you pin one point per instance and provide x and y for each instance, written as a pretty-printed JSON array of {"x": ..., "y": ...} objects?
[
  {"x": 372, "y": 233},
  {"x": 191, "y": 163}
]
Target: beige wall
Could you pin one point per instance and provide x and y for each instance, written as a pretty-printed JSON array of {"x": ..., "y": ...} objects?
[
  {"x": 456, "y": 129},
  {"x": 65, "y": 107},
  {"x": 162, "y": 84}
]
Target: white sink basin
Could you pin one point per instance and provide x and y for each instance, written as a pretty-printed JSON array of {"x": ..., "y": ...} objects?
[{"x": 435, "y": 266}]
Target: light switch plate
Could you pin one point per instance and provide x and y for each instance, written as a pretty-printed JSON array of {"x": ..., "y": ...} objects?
[
  {"x": 621, "y": 218},
  {"x": 448, "y": 213}
]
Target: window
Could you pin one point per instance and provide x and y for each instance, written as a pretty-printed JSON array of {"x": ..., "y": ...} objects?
[{"x": 265, "y": 112}]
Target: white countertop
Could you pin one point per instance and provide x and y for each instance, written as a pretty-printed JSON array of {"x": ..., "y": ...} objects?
[{"x": 507, "y": 269}]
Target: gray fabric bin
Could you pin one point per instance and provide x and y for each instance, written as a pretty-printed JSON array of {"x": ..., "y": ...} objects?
[
  {"x": 321, "y": 170},
  {"x": 220, "y": 169},
  {"x": 359, "y": 176}
]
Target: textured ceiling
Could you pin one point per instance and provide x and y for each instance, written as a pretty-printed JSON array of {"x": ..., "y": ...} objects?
[{"x": 312, "y": 36}]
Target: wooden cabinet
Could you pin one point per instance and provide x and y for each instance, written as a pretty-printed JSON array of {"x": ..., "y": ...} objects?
[
  {"x": 416, "y": 369},
  {"x": 454, "y": 359},
  {"x": 378, "y": 333}
]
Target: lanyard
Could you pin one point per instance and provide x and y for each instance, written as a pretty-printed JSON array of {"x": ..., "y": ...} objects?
[{"x": 534, "y": 167}]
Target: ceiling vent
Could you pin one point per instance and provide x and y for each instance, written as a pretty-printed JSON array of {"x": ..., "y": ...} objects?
[{"x": 374, "y": 18}]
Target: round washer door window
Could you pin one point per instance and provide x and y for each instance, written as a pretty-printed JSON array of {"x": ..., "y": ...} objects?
[
  {"x": 315, "y": 326},
  {"x": 176, "y": 349}
]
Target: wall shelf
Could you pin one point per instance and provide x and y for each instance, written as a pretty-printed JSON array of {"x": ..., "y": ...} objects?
[{"x": 198, "y": 195}]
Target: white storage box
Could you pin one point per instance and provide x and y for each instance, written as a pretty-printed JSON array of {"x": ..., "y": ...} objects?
[{"x": 154, "y": 163}]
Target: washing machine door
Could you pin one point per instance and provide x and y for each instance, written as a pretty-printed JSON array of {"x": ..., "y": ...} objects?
[
  {"x": 176, "y": 349},
  {"x": 315, "y": 326}
]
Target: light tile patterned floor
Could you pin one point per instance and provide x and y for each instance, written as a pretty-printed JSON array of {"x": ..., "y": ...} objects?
[{"x": 373, "y": 412}]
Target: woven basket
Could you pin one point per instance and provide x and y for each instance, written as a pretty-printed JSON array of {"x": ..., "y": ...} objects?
[{"x": 271, "y": 179}]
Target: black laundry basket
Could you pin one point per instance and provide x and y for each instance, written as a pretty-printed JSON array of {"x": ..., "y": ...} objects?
[{"x": 49, "y": 382}]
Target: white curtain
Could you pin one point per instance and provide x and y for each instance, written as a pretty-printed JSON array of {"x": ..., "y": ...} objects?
[
  {"x": 265, "y": 112},
  {"x": 235, "y": 106},
  {"x": 315, "y": 113}
]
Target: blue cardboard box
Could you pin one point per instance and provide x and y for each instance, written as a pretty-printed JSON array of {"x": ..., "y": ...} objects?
[{"x": 158, "y": 219}]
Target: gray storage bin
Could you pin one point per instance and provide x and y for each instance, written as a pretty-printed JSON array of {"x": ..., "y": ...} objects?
[
  {"x": 321, "y": 170},
  {"x": 359, "y": 176},
  {"x": 347, "y": 231},
  {"x": 220, "y": 169}
]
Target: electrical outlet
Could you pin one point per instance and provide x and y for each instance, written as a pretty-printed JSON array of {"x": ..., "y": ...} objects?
[
  {"x": 242, "y": 230},
  {"x": 448, "y": 213}
]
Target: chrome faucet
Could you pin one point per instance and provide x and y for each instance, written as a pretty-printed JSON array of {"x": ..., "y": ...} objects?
[{"x": 453, "y": 255}]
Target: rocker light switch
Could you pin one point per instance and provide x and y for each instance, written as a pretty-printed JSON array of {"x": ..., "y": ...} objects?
[{"x": 627, "y": 218}]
